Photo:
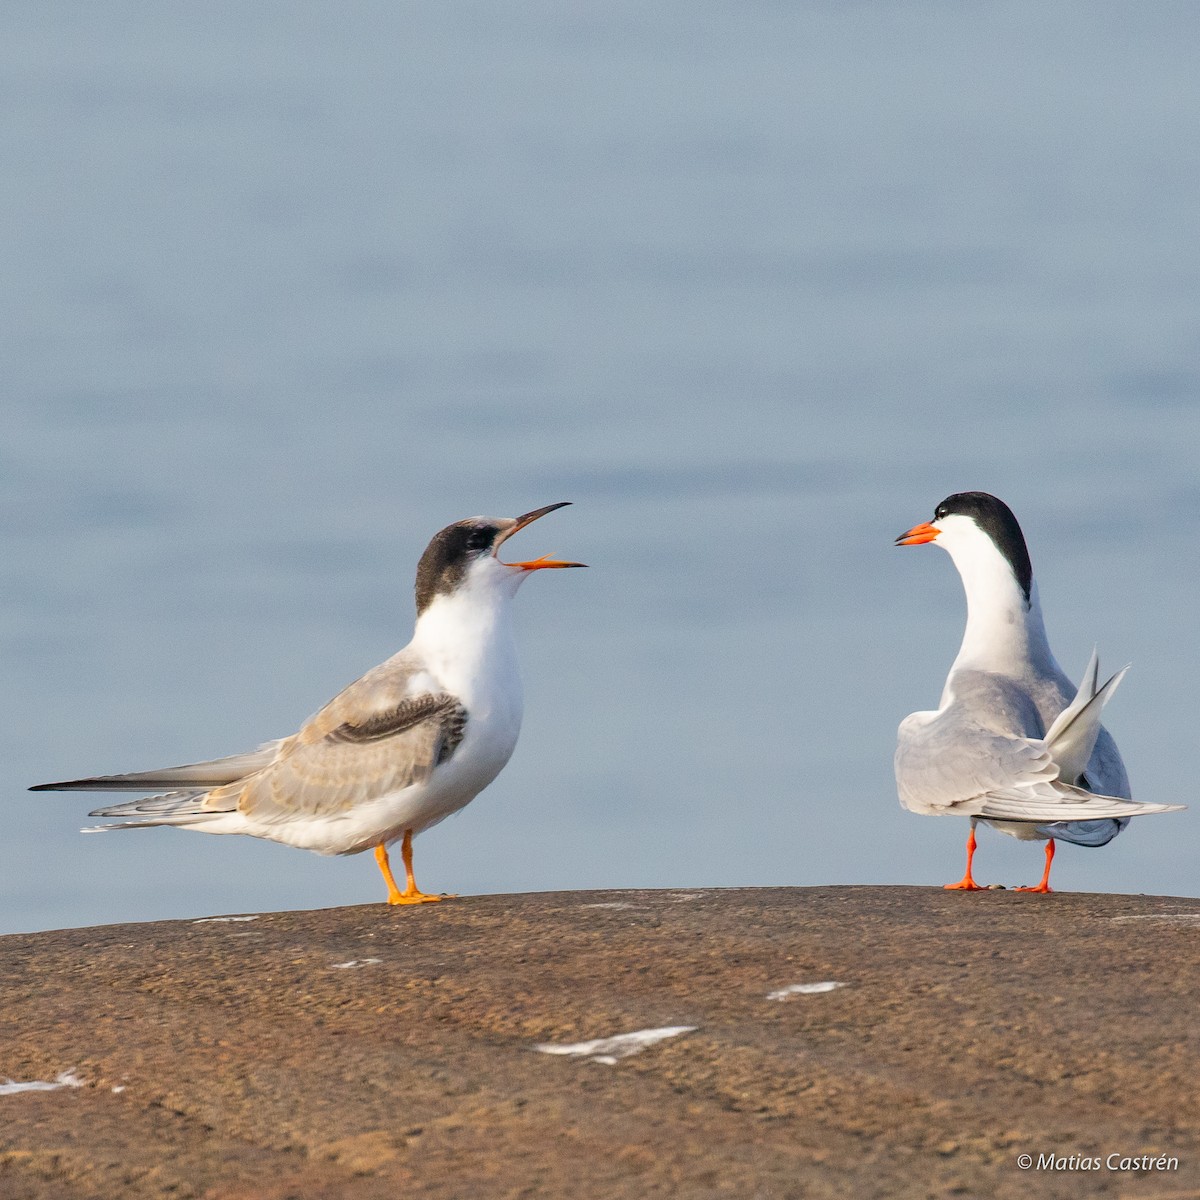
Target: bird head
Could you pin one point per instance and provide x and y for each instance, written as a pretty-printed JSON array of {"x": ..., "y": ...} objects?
[
  {"x": 466, "y": 554},
  {"x": 976, "y": 529}
]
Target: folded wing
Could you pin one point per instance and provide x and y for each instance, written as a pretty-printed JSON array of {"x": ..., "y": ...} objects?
[
  {"x": 192, "y": 776},
  {"x": 948, "y": 764},
  {"x": 328, "y": 768},
  {"x": 385, "y": 732}
]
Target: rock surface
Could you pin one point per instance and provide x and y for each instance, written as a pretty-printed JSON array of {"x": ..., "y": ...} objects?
[{"x": 368, "y": 1052}]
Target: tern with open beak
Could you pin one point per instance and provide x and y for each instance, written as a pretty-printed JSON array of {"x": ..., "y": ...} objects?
[
  {"x": 414, "y": 740},
  {"x": 1013, "y": 743}
]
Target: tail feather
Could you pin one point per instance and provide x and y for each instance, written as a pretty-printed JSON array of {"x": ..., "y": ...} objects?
[
  {"x": 172, "y": 808},
  {"x": 1091, "y": 674},
  {"x": 171, "y": 804},
  {"x": 1071, "y": 738},
  {"x": 192, "y": 820}
]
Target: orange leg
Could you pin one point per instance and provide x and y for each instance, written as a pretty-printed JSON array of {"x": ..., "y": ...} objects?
[
  {"x": 1044, "y": 886},
  {"x": 966, "y": 883},
  {"x": 411, "y": 893}
]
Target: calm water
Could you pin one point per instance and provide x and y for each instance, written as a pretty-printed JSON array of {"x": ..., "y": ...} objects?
[{"x": 287, "y": 289}]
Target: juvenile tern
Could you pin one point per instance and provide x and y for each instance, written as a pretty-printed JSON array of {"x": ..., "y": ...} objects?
[
  {"x": 1013, "y": 743},
  {"x": 414, "y": 740}
]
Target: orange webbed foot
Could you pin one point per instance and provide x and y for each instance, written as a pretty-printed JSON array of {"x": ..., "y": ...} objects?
[
  {"x": 966, "y": 883},
  {"x": 411, "y": 894},
  {"x": 1044, "y": 887},
  {"x": 419, "y": 898}
]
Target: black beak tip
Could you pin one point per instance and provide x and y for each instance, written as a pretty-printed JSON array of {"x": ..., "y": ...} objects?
[{"x": 537, "y": 513}]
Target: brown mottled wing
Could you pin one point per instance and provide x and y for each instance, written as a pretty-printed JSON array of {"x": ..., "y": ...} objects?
[
  {"x": 408, "y": 714},
  {"x": 367, "y": 743}
]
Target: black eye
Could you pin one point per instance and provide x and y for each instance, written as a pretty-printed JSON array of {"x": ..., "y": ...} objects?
[
  {"x": 480, "y": 539},
  {"x": 942, "y": 511}
]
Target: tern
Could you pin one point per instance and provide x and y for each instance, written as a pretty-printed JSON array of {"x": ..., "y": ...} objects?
[
  {"x": 415, "y": 739},
  {"x": 1013, "y": 743}
]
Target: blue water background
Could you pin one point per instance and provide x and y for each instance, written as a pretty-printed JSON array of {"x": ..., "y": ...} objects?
[{"x": 287, "y": 287}]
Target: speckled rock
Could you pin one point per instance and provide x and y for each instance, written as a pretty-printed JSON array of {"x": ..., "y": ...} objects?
[{"x": 368, "y": 1052}]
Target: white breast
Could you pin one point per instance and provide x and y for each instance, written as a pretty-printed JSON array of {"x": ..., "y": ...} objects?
[{"x": 465, "y": 642}]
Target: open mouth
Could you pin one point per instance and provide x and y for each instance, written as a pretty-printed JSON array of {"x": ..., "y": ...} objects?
[{"x": 533, "y": 564}]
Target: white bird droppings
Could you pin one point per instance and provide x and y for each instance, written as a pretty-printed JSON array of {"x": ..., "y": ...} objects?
[
  {"x": 67, "y": 1079},
  {"x": 354, "y": 962},
  {"x": 805, "y": 989},
  {"x": 609, "y": 1050}
]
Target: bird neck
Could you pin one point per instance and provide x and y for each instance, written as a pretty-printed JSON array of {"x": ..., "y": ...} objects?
[
  {"x": 466, "y": 638},
  {"x": 1005, "y": 632}
]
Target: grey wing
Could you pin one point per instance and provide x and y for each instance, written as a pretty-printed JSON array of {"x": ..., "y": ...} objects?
[
  {"x": 943, "y": 763},
  {"x": 367, "y": 743},
  {"x": 1043, "y": 803},
  {"x": 948, "y": 765},
  {"x": 192, "y": 776}
]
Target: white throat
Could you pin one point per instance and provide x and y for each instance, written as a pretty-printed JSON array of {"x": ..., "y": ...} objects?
[
  {"x": 465, "y": 637},
  {"x": 1005, "y": 633}
]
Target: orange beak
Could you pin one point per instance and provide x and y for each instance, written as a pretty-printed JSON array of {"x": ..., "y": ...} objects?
[
  {"x": 536, "y": 564},
  {"x": 918, "y": 535},
  {"x": 540, "y": 564}
]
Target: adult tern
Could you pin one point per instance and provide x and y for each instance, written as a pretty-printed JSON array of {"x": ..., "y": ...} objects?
[{"x": 1013, "y": 743}]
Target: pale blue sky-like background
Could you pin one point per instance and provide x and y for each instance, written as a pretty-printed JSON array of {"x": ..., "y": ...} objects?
[{"x": 287, "y": 287}]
